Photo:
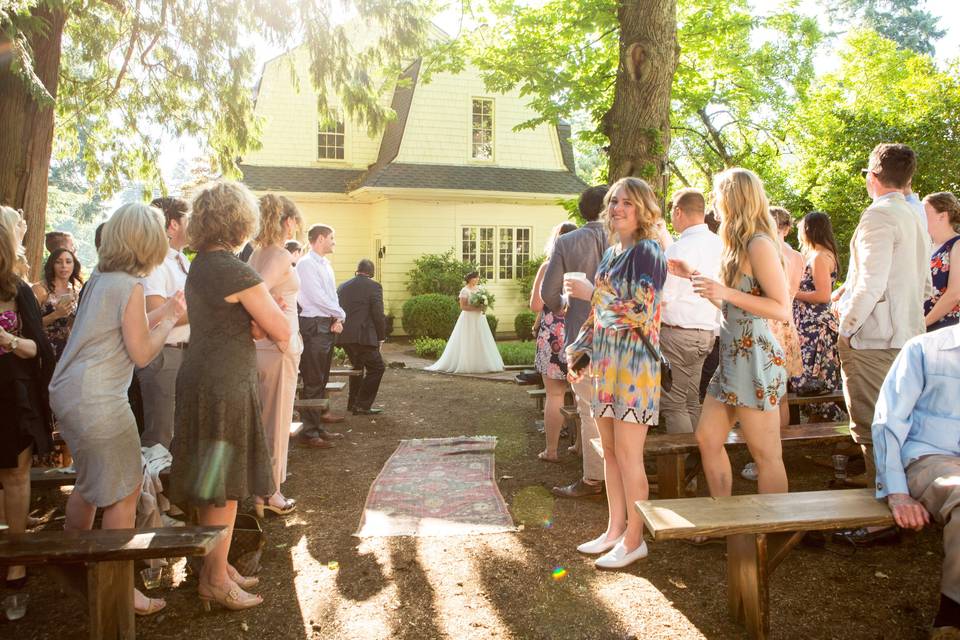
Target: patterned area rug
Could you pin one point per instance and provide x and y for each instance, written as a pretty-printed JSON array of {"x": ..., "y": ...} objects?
[{"x": 437, "y": 487}]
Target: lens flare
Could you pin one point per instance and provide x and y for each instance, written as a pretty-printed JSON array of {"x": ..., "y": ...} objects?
[{"x": 559, "y": 573}]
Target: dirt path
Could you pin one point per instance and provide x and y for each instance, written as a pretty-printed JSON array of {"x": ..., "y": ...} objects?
[{"x": 501, "y": 586}]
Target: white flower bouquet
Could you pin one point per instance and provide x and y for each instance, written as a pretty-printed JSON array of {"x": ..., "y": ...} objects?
[{"x": 481, "y": 298}]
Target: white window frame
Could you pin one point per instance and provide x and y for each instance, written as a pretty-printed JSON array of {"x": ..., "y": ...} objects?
[
  {"x": 493, "y": 130},
  {"x": 338, "y": 122},
  {"x": 520, "y": 251}
]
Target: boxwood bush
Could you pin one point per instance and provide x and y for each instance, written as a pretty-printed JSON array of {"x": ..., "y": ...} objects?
[
  {"x": 431, "y": 348},
  {"x": 493, "y": 322},
  {"x": 431, "y": 315},
  {"x": 523, "y": 324}
]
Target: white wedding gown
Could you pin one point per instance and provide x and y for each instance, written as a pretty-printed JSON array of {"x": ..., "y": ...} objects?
[{"x": 471, "y": 347}]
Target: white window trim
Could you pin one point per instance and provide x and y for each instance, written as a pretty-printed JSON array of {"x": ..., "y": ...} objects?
[
  {"x": 347, "y": 132},
  {"x": 496, "y": 247},
  {"x": 493, "y": 131}
]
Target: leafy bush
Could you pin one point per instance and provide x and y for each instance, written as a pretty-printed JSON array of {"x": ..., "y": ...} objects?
[
  {"x": 517, "y": 352},
  {"x": 437, "y": 273},
  {"x": 431, "y": 315},
  {"x": 529, "y": 270},
  {"x": 340, "y": 356},
  {"x": 523, "y": 324},
  {"x": 431, "y": 348},
  {"x": 493, "y": 322}
]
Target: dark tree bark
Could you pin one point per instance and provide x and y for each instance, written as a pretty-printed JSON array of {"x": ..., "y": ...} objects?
[
  {"x": 638, "y": 123},
  {"x": 26, "y": 133}
]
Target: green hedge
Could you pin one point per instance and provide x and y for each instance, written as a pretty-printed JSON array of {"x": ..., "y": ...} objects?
[
  {"x": 431, "y": 348},
  {"x": 517, "y": 352},
  {"x": 493, "y": 322},
  {"x": 523, "y": 324},
  {"x": 431, "y": 315}
]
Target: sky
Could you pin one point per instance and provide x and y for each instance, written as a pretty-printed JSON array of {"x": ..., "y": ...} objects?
[{"x": 948, "y": 48}]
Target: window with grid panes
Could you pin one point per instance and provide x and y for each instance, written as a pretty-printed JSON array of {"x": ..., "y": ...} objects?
[
  {"x": 482, "y": 134},
  {"x": 497, "y": 251},
  {"x": 330, "y": 140}
]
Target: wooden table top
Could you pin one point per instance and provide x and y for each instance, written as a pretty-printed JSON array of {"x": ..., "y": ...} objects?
[{"x": 767, "y": 513}]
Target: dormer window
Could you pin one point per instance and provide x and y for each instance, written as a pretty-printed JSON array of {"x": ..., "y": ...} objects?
[
  {"x": 482, "y": 134},
  {"x": 330, "y": 143}
]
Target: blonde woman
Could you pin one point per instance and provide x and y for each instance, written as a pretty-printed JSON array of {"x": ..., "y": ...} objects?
[
  {"x": 13, "y": 220},
  {"x": 550, "y": 360},
  {"x": 219, "y": 449},
  {"x": 618, "y": 347},
  {"x": 277, "y": 364},
  {"x": 750, "y": 381},
  {"x": 88, "y": 392}
]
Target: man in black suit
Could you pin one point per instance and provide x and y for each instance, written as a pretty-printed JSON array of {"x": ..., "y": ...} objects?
[{"x": 361, "y": 298}]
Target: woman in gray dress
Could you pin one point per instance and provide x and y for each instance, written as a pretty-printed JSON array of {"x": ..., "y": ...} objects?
[
  {"x": 219, "y": 449},
  {"x": 88, "y": 392}
]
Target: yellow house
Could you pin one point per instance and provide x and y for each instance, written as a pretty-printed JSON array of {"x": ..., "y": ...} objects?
[{"x": 449, "y": 172}]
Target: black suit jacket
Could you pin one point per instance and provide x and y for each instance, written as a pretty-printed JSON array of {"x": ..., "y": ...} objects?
[{"x": 361, "y": 297}]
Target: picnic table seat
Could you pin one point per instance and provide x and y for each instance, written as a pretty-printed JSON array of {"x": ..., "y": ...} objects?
[
  {"x": 540, "y": 395},
  {"x": 107, "y": 557},
  {"x": 760, "y": 531},
  {"x": 671, "y": 449},
  {"x": 833, "y": 396}
]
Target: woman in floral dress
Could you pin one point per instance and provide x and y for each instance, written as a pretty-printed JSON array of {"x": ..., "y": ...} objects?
[
  {"x": 943, "y": 222},
  {"x": 751, "y": 380},
  {"x": 619, "y": 338},
  {"x": 57, "y": 294},
  {"x": 550, "y": 359},
  {"x": 815, "y": 322}
]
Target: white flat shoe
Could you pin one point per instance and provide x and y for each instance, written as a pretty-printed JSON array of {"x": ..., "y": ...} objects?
[
  {"x": 599, "y": 545},
  {"x": 619, "y": 557}
]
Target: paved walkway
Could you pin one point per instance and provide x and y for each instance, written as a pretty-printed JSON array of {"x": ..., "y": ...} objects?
[{"x": 401, "y": 352}]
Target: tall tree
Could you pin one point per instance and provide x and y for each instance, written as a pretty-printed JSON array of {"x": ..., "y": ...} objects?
[
  {"x": 906, "y": 22},
  {"x": 120, "y": 71}
]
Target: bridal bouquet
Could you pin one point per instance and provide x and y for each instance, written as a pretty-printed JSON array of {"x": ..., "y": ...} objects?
[{"x": 481, "y": 298}]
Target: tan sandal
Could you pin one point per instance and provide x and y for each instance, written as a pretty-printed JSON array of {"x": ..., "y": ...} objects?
[{"x": 543, "y": 457}]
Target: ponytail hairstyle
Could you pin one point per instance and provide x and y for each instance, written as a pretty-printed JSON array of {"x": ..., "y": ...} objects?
[
  {"x": 946, "y": 202},
  {"x": 744, "y": 212}
]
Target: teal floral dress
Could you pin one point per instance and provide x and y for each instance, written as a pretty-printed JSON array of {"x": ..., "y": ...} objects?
[
  {"x": 626, "y": 303},
  {"x": 751, "y": 372}
]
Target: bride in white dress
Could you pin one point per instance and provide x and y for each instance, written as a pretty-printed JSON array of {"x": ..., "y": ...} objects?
[{"x": 471, "y": 347}]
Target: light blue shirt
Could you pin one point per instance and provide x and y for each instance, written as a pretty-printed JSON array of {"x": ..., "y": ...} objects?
[
  {"x": 918, "y": 411},
  {"x": 914, "y": 201}
]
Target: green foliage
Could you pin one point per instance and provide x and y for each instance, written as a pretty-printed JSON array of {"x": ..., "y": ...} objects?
[
  {"x": 438, "y": 273},
  {"x": 431, "y": 348},
  {"x": 880, "y": 93},
  {"x": 530, "y": 268},
  {"x": 905, "y": 22},
  {"x": 491, "y": 299},
  {"x": 514, "y": 353},
  {"x": 340, "y": 356},
  {"x": 430, "y": 315},
  {"x": 523, "y": 324},
  {"x": 492, "y": 322}
]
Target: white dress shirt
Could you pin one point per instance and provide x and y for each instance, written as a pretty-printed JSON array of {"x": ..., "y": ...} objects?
[
  {"x": 318, "y": 288},
  {"x": 701, "y": 249},
  {"x": 166, "y": 280}
]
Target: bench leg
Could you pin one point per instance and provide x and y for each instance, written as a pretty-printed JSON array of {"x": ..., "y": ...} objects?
[
  {"x": 748, "y": 582},
  {"x": 110, "y": 600},
  {"x": 671, "y": 477}
]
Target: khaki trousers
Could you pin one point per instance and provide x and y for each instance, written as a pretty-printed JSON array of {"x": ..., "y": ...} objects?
[
  {"x": 686, "y": 349},
  {"x": 592, "y": 462},
  {"x": 862, "y": 372},
  {"x": 277, "y": 374},
  {"x": 933, "y": 481}
]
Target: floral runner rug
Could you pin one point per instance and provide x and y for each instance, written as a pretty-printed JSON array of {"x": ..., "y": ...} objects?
[{"x": 437, "y": 487}]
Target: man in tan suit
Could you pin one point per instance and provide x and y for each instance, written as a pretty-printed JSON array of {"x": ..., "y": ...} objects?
[{"x": 881, "y": 303}]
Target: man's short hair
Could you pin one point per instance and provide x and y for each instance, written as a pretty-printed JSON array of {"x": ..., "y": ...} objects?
[
  {"x": 366, "y": 267},
  {"x": 172, "y": 208},
  {"x": 54, "y": 240},
  {"x": 893, "y": 164},
  {"x": 98, "y": 235},
  {"x": 318, "y": 230},
  {"x": 690, "y": 200},
  {"x": 591, "y": 202},
  {"x": 292, "y": 246}
]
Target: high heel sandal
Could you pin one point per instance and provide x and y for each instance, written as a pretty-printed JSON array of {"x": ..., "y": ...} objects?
[
  {"x": 154, "y": 605},
  {"x": 231, "y": 598},
  {"x": 243, "y": 582},
  {"x": 288, "y": 507}
]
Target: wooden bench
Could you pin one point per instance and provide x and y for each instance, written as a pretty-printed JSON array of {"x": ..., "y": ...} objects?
[
  {"x": 50, "y": 478},
  {"x": 760, "y": 530},
  {"x": 107, "y": 557},
  {"x": 526, "y": 383},
  {"x": 311, "y": 403},
  {"x": 540, "y": 395},
  {"x": 671, "y": 449},
  {"x": 345, "y": 373},
  {"x": 833, "y": 396}
]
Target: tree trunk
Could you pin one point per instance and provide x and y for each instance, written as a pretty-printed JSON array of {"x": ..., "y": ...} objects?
[
  {"x": 26, "y": 134},
  {"x": 638, "y": 123}
]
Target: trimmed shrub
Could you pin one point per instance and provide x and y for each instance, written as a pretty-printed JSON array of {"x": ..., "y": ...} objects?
[
  {"x": 340, "y": 356},
  {"x": 437, "y": 273},
  {"x": 431, "y": 315},
  {"x": 517, "y": 352},
  {"x": 529, "y": 271},
  {"x": 493, "y": 322},
  {"x": 523, "y": 324},
  {"x": 431, "y": 348}
]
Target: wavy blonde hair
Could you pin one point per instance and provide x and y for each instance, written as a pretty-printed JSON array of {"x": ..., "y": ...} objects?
[
  {"x": 133, "y": 241},
  {"x": 645, "y": 201},
  {"x": 739, "y": 198},
  {"x": 8, "y": 264},
  {"x": 224, "y": 213},
  {"x": 9, "y": 218},
  {"x": 274, "y": 212}
]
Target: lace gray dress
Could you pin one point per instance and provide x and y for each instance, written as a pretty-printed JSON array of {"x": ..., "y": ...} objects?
[{"x": 219, "y": 449}]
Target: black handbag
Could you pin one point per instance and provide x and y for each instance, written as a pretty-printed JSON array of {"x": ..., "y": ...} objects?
[{"x": 666, "y": 373}]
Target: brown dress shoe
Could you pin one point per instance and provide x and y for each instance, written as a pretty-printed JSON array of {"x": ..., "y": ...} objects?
[
  {"x": 314, "y": 442},
  {"x": 330, "y": 418},
  {"x": 579, "y": 489},
  {"x": 328, "y": 435}
]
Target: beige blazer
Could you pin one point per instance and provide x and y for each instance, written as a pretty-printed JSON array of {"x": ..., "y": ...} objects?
[{"x": 888, "y": 278}]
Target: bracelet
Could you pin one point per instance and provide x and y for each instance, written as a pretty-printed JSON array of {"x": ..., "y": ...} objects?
[{"x": 14, "y": 343}]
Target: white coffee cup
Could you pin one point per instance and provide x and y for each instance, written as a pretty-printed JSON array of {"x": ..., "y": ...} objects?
[{"x": 574, "y": 275}]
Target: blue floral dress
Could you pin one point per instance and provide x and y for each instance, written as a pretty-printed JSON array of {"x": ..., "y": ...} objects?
[
  {"x": 626, "y": 301},
  {"x": 940, "y": 271},
  {"x": 751, "y": 372}
]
